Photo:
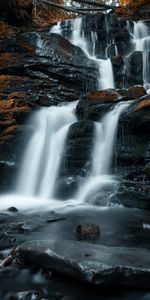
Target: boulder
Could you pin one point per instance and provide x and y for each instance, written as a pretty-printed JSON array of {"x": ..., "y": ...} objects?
[
  {"x": 76, "y": 159},
  {"x": 94, "y": 264},
  {"x": 50, "y": 55},
  {"x": 134, "y": 76},
  {"x": 78, "y": 149},
  {"x": 94, "y": 104}
]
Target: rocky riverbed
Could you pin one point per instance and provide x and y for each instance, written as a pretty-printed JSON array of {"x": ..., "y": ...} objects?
[{"x": 48, "y": 245}]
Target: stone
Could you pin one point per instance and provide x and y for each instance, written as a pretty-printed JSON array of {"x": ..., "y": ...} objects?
[
  {"x": 135, "y": 92},
  {"x": 87, "y": 231},
  {"x": 95, "y": 103},
  {"x": 12, "y": 209},
  {"x": 96, "y": 264},
  {"x": 134, "y": 76}
]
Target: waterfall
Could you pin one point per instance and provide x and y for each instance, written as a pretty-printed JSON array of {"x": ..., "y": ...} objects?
[
  {"x": 105, "y": 133},
  {"x": 141, "y": 40},
  {"x": 42, "y": 157},
  {"x": 106, "y": 78}
]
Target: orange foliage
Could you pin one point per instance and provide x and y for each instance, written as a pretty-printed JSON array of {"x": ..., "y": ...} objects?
[
  {"x": 5, "y": 58},
  {"x": 16, "y": 95},
  {"x": 10, "y": 77},
  {"x": 142, "y": 104},
  {"x": 106, "y": 95},
  {"x": 132, "y": 3},
  {"x": 26, "y": 46}
]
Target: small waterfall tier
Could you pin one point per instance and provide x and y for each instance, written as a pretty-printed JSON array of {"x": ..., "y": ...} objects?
[
  {"x": 76, "y": 36},
  {"x": 42, "y": 157},
  {"x": 105, "y": 136},
  {"x": 141, "y": 39}
]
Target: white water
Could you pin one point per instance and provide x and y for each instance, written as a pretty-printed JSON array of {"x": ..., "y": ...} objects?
[
  {"x": 106, "y": 78},
  {"x": 105, "y": 137},
  {"x": 141, "y": 40},
  {"x": 41, "y": 163},
  {"x": 42, "y": 157}
]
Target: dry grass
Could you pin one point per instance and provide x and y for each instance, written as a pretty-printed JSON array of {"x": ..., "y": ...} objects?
[
  {"x": 24, "y": 3},
  {"x": 5, "y": 30}
]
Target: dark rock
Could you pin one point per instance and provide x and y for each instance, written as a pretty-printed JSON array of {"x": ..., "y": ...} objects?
[
  {"x": 134, "y": 76},
  {"x": 6, "y": 241},
  {"x": 110, "y": 31},
  {"x": 135, "y": 92},
  {"x": 76, "y": 159},
  {"x": 87, "y": 231},
  {"x": 95, "y": 103},
  {"x": 118, "y": 70},
  {"x": 27, "y": 295},
  {"x": 12, "y": 209},
  {"x": 78, "y": 149},
  {"x": 95, "y": 264},
  {"x": 134, "y": 191},
  {"x": 132, "y": 195}
]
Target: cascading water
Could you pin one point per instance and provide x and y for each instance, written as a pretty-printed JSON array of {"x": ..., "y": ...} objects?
[
  {"x": 141, "y": 41},
  {"x": 106, "y": 78},
  {"x": 42, "y": 157},
  {"x": 105, "y": 133}
]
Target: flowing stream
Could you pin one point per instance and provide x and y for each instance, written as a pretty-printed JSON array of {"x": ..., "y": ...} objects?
[
  {"x": 141, "y": 39},
  {"x": 44, "y": 151},
  {"x": 140, "y": 35},
  {"x": 105, "y": 138}
]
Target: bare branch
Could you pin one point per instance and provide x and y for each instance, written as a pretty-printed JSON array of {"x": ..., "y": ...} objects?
[
  {"x": 63, "y": 7},
  {"x": 94, "y": 3}
]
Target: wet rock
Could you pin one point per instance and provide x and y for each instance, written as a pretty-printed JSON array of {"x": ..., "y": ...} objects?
[
  {"x": 118, "y": 70},
  {"x": 87, "y": 231},
  {"x": 78, "y": 149},
  {"x": 95, "y": 103},
  {"x": 27, "y": 295},
  {"x": 132, "y": 195},
  {"x": 94, "y": 264},
  {"x": 134, "y": 191},
  {"x": 107, "y": 28},
  {"x": 12, "y": 209},
  {"x": 6, "y": 240},
  {"x": 135, "y": 92},
  {"x": 134, "y": 75},
  {"x": 76, "y": 162}
]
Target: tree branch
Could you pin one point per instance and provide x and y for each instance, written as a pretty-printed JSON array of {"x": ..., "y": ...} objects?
[
  {"x": 63, "y": 7},
  {"x": 90, "y": 2}
]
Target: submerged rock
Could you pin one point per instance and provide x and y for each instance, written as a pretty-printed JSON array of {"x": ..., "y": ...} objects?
[
  {"x": 87, "y": 231},
  {"x": 94, "y": 264}
]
